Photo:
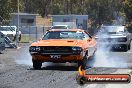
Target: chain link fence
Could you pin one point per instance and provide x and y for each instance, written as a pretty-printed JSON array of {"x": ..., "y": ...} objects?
[{"x": 32, "y": 33}]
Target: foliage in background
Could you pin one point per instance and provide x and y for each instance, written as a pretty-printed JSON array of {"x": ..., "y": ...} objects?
[
  {"x": 7, "y": 7},
  {"x": 99, "y": 11},
  {"x": 128, "y": 9}
]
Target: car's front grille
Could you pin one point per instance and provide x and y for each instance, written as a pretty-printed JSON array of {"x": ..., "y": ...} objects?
[
  {"x": 112, "y": 39},
  {"x": 56, "y": 50}
]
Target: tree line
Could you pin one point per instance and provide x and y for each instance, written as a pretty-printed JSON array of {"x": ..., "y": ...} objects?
[{"x": 99, "y": 11}]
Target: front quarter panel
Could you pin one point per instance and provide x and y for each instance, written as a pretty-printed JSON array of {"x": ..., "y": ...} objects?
[{"x": 91, "y": 47}]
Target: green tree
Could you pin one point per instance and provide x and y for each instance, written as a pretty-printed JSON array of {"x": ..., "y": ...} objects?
[
  {"x": 43, "y": 7},
  {"x": 14, "y": 5},
  {"x": 99, "y": 11},
  {"x": 9, "y": 6},
  {"x": 128, "y": 9},
  {"x": 5, "y": 9}
]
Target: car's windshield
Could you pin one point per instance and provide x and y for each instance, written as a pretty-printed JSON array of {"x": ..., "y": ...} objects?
[
  {"x": 112, "y": 29},
  {"x": 64, "y": 35},
  {"x": 59, "y": 27},
  {"x": 7, "y": 29}
]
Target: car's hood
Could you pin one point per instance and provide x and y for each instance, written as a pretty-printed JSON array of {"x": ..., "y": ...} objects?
[
  {"x": 110, "y": 36},
  {"x": 59, "y": 42},
  {"x": 6, "y": 32}
]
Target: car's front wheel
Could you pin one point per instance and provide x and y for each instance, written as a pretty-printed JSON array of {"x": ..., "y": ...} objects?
[
  {"x": 80, "y": 80},
  {"x": 129, "y": 46},
  {"x": 20, "y": 37},
  {"x": 125, "y": 48},
  {"x": 37, "y": 64},
  {"x": 83, "y": 62}
]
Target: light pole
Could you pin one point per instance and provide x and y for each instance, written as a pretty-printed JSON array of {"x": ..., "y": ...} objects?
[{"x": 17, "y": 31}]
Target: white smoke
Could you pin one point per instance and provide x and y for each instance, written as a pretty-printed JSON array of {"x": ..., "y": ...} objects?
[
  {"x": 104, "y": 57},
  {"x": 119, "y": 18},
  {"x": 24, "y": 57}
]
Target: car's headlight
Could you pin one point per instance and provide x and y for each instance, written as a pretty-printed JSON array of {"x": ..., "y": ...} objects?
[
  {"x": 122, "y": 39},
  {"x": 37, "y": 48},
  {"x": 34, "y": 49}
]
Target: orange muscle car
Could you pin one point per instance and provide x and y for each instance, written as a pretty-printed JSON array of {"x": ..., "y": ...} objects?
[{"x": 67, "y": 45}]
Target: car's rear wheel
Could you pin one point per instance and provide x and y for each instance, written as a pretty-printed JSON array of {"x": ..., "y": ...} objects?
[{"x": 37, "y": 64}]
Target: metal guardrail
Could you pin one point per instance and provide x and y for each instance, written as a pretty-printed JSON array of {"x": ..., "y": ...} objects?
[
  {"x": 7, "y": 40},
  {"x": 10, "y": 43}
]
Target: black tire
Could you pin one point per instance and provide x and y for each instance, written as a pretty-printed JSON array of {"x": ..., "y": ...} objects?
[
  {"x": 83, "y": 63},
  {"x": 2, "y": 52},
  {"x": 19, "y": 37},
  {"x": 125, "y": 48},
  {"x": 129, "y": 46},
  {"x": 14, "y": 38},
  {"x": 81, "y": 80},
  {"x": 37, "y": 64}
]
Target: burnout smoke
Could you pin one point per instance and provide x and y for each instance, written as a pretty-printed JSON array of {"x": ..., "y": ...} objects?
[
  {"x": 104, "y": 57},
  {"x": 24, "y": 57}
]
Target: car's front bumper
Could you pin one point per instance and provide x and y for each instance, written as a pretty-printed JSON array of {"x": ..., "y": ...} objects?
[
  {"x": 112, "y": 45},
  {"x": 57, "y": 58}
]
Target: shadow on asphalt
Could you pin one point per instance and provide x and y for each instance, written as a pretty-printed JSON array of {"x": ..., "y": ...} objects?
[
  {"x": 64, "y": 67},
  {"x": 59, "y": 68},
  {"x": 117, "y": 50}
]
